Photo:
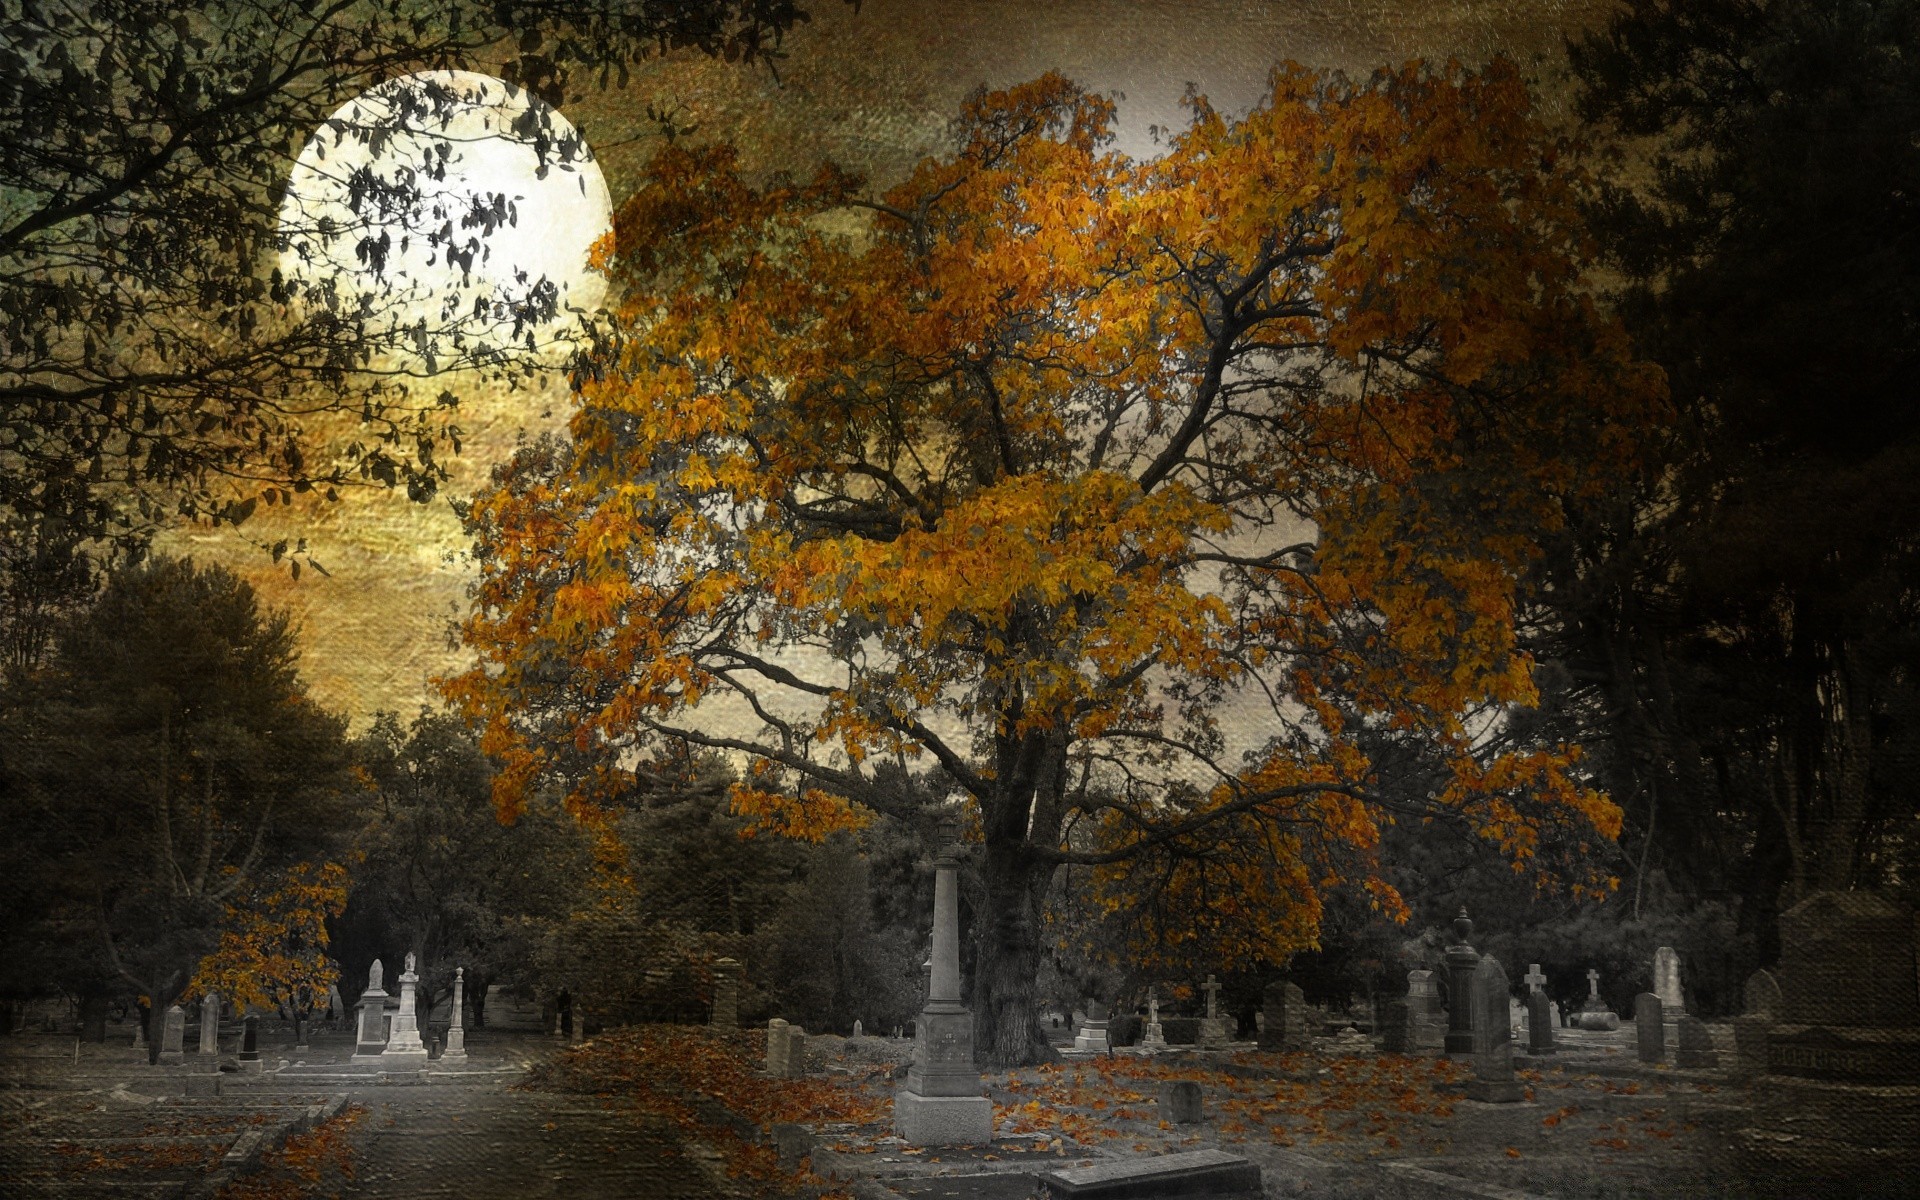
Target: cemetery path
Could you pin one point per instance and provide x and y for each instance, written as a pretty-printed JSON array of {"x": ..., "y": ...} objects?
[{"x": 486, "y": 1139}]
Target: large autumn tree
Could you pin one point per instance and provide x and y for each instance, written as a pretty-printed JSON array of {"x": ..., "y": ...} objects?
[{"x": 1157, "y": 503}]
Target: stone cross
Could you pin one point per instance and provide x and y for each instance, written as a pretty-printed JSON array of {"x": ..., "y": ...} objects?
[
  {"x": 456, "y": 1032},
  {"x": 1593, "y": 984},
  {"x": 1534, "y": 979},
  {"x": 1212, "y": 988},
  {"x": 1153, "y": 1008}
]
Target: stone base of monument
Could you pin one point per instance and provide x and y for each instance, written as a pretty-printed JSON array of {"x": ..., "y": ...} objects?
[
  {"x": 403, "y": 1060},
  {"x": 201, "y": 1085},
  {"x": 1211, "y": 1034},
  {"x": 1091, "y": 1039},
  {"x": 1597, "y": 1021},
  {"x": 942, "y": 1120},
  {"x": 1211, "y": 1173}
]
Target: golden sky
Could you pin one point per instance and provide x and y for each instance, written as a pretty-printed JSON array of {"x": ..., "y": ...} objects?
[{"x": 874, "y": 90}]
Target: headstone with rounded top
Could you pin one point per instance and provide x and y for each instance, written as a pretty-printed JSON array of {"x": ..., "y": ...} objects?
[
  {"x": 1486, "y": 1003},
  {"x": 173, "y": 1035},
  {"x": 1179, "y": 1102},
  {"x": 1540, "y": 1024},
  {"x": 859, "y": 1030},
  {"x": 1693, "y": 1047},
  {"x": 1762, "y": 1007},
  {"x": 210, "y": 1024}
]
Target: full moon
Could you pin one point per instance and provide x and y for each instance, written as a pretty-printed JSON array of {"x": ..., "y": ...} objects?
[{"x": 447, "y": 210}]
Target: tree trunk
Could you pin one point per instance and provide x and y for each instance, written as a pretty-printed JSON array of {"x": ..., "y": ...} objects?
[{"x": 1006, "y": 1009}]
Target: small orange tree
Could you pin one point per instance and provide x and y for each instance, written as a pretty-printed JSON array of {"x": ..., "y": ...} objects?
[
  {"x": 1064, "y": 471},
  {"x": 273, "y": 942}
]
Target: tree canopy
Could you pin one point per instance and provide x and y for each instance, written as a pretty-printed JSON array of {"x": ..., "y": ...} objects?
[
  {"x": 154, "y": 363},
  {"x": 1740, "y": 631},
  {"x": 1049, "y": 465}
]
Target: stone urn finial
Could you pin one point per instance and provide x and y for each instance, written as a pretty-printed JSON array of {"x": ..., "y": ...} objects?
[{"x": 1463, "y": 925}]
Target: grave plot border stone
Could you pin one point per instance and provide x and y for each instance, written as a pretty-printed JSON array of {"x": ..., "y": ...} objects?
[{"x": 1211, "y": 1173}]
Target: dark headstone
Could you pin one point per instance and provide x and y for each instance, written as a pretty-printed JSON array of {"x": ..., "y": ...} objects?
[
  {"x": 1540, "y": 1024},
  {"x": 1847, "y": 958},
  {"x": 1649, "y": 1030},
  {"x": 1211, "y": 1173},
  {"x": 250, "y": 1041},
  {"x": 1695, "y": 1048},
  {"x": 1486, "y": 1004},
  {"x": 1762, "y": 995},
  {"x": 1288, "y": 1026},
  {"x": 1396, "y": 1038},
  {"x": 1179, "y": 1101}
]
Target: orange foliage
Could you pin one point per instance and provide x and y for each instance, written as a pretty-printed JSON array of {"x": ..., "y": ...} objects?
[
  {"x": 1046, "y": 459},
  {"x": 273, "y": 944}
]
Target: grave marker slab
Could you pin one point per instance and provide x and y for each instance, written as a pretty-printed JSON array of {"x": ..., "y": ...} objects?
[
  {"x": 173, "y": 1035},
  {"x": 1211, "y": 1173},
  {"x": 1426, "y": 1019},
  {"x": 1694, "y": 1045},
  {"x": 1288, "y": 1027},
  {"x": 1540, "y": 1024},
  {"x": 1486, "y": 1004},
  {"x": 1649, "y": 1029},
  {"x": 777, "y": 1048},
  {"x": 1179, "y": 1101},
  {"x": 210, "y": 1024},
  {"x": 1396, "y": 1036}
]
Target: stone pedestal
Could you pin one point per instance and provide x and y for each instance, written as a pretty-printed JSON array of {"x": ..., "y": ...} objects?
[
  {"x": 942, "y": 1103},
  {"x": 457, "y": 1031},
  {"x": 1155, "y": 1037},
  {"x": 404, "y": 1047},
  {"x": 1093, "y": 1032},
  {"x": 1461, "y": 960}
]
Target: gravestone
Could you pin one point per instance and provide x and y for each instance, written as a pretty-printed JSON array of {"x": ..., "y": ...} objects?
[
  {"x": 859, "y": 1030},
  {"x": 1594, "y": 1014},
  {"x": 1762, "y": 1009},
  {"x": 1179, "y": 1101},
  {"x": 250, "y": 1046},
  {"x": 1486, "y": 1004},
  {"x": 1535, "y": 978},
  {"x": 1666, "y": 983},
  {"x": 1843, "y": 1061},
  {"x": 1461, "y": 959},
  {"x": 1155, "y": 1038},
  {"x": 797, "y": 1063},
  {"x": 1540, "y": 1024},
  {"x": 210, "y": 1024},
  {"x": 942, "y": 1102},
  {"x": 370, "y": 1034},
  {"x": 1426, "y": 1019},
  {"x": 1212, "y": 1034},
  {"x": 1649, "y": 1030},
  {"x": 1093, "y": 1030},
  {"x": 456, "y": 1047},
  {"x": 1694, "y": 1045},
  {"x": 336, "y": 1007},
  {"x": 726, "y": 994},
  {"x": 1395, "y": 1036},
  {"x": 1516, "y": 1013},
  {"x": 777, "y": 1048},
  {"x": 1288, "y": 1026},
  {"x": 1214, "y": 1174},
  {"x": 404, "y": 1047},
  {"x": 173, "y": 1035}
]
